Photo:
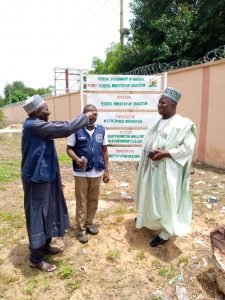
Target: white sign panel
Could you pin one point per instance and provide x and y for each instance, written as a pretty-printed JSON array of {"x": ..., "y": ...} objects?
[
  {"x": 127, "y": 119},
  {"x": 124, "y": 101},
  {"x": 123, "y": 82},
  {"x": 126, "y": 137},
  {"x": 124, "y": 153}
]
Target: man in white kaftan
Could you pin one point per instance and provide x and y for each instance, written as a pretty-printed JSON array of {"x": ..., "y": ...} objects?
[{"x": 162, "y": 187}]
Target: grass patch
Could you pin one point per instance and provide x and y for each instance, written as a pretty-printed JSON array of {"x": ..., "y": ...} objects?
[
  {"x": 6, "y": 217},
  {"x": 167, "y": 273},
  {"x": 9, "y": 170},
  {"x": 30, "y": 286},
  {"x": 132, "y": 210},
  {"x": 65, "y": 271},
  {"x": 46, "y": 285},
  {"x": 69, "y": 274},
  {"x": 120, "y": 210},
  {"x": 113, "y": 255},
  {"x": 72, "y": 285},
  {"x": 119, "y": 219},
  {"x": 156, "y": 264},
  {"x": 183, "y": 260},
  {"x": 140, "y": 256},
  {"x": 103, "y": 214},
  {"x": 7, "y": 279},
  {"x": 64, "y": 159},
  {"x": 17, "y": 220}
]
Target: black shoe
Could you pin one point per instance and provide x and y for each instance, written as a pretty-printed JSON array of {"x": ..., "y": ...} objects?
[
  {"x": 83, "y": 238},
  {"x": 92, "y": 230},
  {"x": 157, "y": 241}
]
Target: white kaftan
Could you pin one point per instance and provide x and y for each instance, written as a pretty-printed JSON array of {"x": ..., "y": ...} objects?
[{"x": 162, "y": 187}]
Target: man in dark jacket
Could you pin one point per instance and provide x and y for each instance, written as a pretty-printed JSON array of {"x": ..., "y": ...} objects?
[{"x": 44, "y": 203}]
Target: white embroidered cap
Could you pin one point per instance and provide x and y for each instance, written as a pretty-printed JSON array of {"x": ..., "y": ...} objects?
[
  {"x": 173, "y": 94},
  {"x": 33, "y": 103}
]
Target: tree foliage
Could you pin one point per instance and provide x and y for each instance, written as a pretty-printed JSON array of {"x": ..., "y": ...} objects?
[
  {"x": 165, "y": 30},
  {"x": 17, "y": 91},
  {"x": 117, "y": 60},
  {"x": 2, "y": 101},
  {"x": 114, "y": 54},
  {"x": 209, "y": 27}
]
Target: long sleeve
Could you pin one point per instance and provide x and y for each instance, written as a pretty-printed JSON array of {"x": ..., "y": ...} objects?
[
  {"x": 182, "y": 152},
  {"x": 53, "y": 130}
]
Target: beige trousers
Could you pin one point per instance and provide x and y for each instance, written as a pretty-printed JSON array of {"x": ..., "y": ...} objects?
[{"x": 86, "y": 194}]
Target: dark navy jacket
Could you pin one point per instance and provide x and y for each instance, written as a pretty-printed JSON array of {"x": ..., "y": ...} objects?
[
  {"x": 39, "y": 159},
  {"x": 90, "y": 147}
]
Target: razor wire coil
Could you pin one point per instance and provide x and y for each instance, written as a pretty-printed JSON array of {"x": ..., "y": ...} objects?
[{"x": 155, "y": 68}]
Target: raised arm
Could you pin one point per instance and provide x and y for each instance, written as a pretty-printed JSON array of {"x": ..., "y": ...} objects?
[{"x": 53, "y": 130}]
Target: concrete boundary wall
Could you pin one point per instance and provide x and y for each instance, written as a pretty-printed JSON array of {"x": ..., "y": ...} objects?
[{"x": 203, "y": 101}]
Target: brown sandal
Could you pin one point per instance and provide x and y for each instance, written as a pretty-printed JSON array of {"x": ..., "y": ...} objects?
[
  {"x": 43, "y": 266},
  {"x": 53, "y": 250}
]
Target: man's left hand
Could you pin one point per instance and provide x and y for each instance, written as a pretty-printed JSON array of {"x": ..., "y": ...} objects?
[{"x": 105, "y": 177}]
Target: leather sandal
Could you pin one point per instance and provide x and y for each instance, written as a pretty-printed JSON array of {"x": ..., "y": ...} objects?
[
  {"x": 53, "y": 250},
  {"x": 43, "y": 266}
]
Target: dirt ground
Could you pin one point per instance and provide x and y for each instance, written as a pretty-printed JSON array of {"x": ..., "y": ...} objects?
[{"x": 117, "y": 263}]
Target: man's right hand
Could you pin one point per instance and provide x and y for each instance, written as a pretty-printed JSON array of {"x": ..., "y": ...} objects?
[
  {"x": 92, "y": 115},
  {"x": 80, "y": 163}
]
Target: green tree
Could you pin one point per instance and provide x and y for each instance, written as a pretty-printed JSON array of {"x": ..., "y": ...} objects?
[
  {"x": 2, "y": 101},
  {"x": 43, "y": 91},
  {"x": 209, "y": 27},
  {"x": 98, "y": 65},
  {"x": 164, "y": 31},
  {"x": 17, "y": 91},
  {"x": 112, "y": 64},
  {"x": 161, "y": 31}
]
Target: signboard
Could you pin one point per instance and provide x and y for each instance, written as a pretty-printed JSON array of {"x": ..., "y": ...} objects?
[
  {"x": 124, "y": 153},
  {"x": 125, "y": 115},
  {"x": 126, "y": 137},
  {"x": 127, "y": 119},
  {"x": 123, "y": 83},
  {"x": 124, "y": 101}
]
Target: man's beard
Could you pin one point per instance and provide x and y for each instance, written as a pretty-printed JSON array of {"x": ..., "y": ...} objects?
[{"x": 92, "y": 123}]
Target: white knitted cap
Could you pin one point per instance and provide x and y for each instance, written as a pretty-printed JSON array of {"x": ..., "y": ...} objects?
[{"x": 33, "y": 103}]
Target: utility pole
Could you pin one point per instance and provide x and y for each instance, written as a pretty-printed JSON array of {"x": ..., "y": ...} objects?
[
  {"x": 121, "y": 23},
  {"x": 67, "y": 81}
]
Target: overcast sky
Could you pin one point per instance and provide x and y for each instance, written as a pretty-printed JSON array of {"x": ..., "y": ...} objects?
[{"x": 37, "y": 36}]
